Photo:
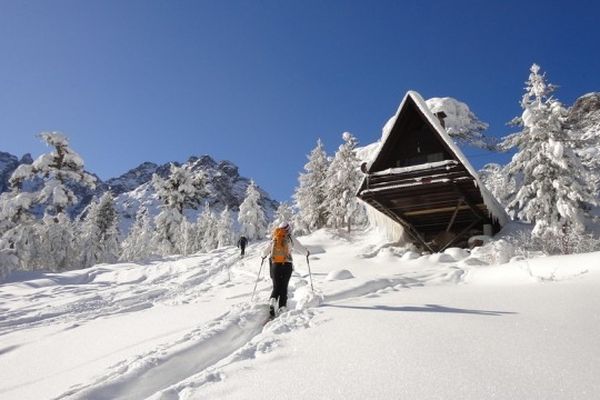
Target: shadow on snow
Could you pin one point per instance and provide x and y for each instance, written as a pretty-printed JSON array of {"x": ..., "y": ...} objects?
[{"x": 434, "y": 308}]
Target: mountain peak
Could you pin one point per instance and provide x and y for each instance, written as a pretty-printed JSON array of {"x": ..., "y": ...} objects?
[{"x": 202, "y": 162}]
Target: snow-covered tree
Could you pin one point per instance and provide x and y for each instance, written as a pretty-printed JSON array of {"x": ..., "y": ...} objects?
[
  {"x": 343, "y": 179},
  {"x": 550, "y": 194},
  {"x": 181, "y": 189},
  {"x": 56, "y": 170},
  {"x": 225, "y": 229},
  {"x": 253, "y": 223},
  {"x": 284, "y": 213},
  {"x": 495, "y": 178},
  {"x": 19, "y": 229},
  {"x": 187, "y": 237},
  {"x": 99, "y": 233},
  {"x": 167, "y": 233},
  {"x": 138, "y": 243},
  {"x": 48, "y": 243},
  {"x": 206, "y": 230},
  {"x": 58, "y": 251},
  {"x": 310, "y": 193},
  {"x": 8, "y": 260}
]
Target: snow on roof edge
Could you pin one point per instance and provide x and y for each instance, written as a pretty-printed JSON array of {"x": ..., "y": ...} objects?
[
  {"x": 388, "y": 129},
  {"x": 418, "y": 167}
]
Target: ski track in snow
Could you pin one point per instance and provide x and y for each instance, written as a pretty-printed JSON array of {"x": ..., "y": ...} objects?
[
  {"x": 198, "y": 356},
  {"x": 173, "y": 362}
]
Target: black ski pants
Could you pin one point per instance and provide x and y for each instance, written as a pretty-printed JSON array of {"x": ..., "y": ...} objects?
[{"x": 280, "y": 274}]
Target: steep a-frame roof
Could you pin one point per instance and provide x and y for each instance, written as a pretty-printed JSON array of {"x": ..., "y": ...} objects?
[{"x": 421, "y": 179}]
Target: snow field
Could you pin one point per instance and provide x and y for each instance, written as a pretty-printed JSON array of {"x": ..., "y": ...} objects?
[{"x": 403, "y": 326}]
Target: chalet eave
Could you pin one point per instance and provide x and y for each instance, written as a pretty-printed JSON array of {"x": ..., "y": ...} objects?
[{"x": 427, "y": 200}]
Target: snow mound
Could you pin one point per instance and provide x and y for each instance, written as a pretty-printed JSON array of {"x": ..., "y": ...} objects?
[
  {"x": 410, "y": 255},
  {"x": 339, "y": 275},
  {"x": 387, "y": 249},
  {"x": 472, "y": 262},
  {"x": 441, "y": 258},
  {"x": 305, "y": 297},
  {"x": 496, "y": 252},
  {"x": 457, "y": 253}
]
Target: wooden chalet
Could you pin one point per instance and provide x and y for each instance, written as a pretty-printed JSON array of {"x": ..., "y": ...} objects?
[{"x": 420, "y": 179}]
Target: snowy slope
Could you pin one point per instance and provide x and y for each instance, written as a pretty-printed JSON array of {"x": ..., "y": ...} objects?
[{"x": 395, "y": 325}]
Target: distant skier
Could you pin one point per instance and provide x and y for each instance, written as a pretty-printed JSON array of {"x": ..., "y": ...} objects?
[
  {"x": 279, "y": 251},
  {"x": 242, "y": 244}
]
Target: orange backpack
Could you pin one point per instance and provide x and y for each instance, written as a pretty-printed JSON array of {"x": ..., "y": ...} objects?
[{"x": 280, "y": 250}]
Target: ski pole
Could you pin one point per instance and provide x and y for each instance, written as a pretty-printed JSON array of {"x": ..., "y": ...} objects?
[
  {"x": 309, "y": 274},
  {"x": 257, "y": 278}
]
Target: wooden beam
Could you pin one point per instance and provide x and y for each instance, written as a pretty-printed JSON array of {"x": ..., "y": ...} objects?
[
  {"x": 460, "y": 235},
  {"x": 471, "y": 205},
  {"x": 454, "y": 215},
  {"x": 438, "y": 210}
]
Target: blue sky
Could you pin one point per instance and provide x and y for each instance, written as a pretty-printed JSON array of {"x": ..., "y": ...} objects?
[{"x": 257, "y": 82}]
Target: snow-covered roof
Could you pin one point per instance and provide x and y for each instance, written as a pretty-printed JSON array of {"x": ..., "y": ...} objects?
[
  {"x": 491, "y": 203},
  {"x": 419, "y": 167}
]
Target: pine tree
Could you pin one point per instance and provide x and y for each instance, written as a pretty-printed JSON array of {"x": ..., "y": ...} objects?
[
  {"x": 225, "y": 228},
  {"x": 187, "y": 236},
  {"x": 343, "y": 179},
  {"x": 58, "y": 251},
  {"x": 49, "y": 243},
  {"x": 19, "y": 228},
  {"x": 310, "y": 194},
  {"x": 138, "y": 244},
  {"x": 200, "y": 228},
  {"x": 100, "y": 233},
  {"x": 495, "y": 178},
  {"x": 253, "y": 223},
  {"x": 549, "y": 194},
  {"x": 167, "y": 231},
  {"x": 210, "y": 240},
  {"x": 8, "y": 260},
  {"x": 181, "y": 189},
  {"x": 206, "y": 230},
  {"x": 56, "y": 169},
  {"x": 284, "y": 213}
]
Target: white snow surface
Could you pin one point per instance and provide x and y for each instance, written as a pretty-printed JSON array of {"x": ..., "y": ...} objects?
[
  {"x": 407, "y": 326},
  {"x": 419, "y": 167}
]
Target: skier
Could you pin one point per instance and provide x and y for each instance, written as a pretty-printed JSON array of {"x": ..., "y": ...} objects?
[
  {"x": 279, "y": 251},
  {"x": 242, "y": 244}
]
